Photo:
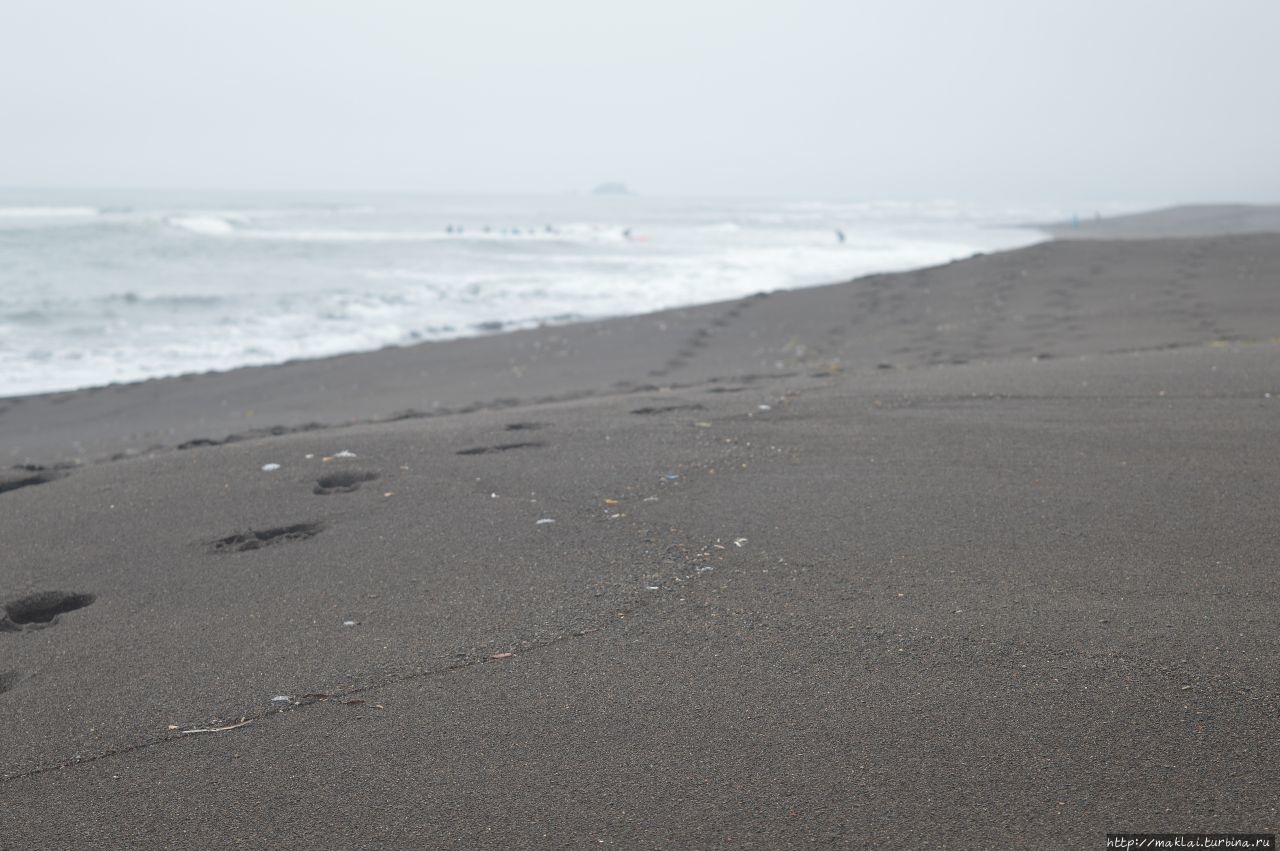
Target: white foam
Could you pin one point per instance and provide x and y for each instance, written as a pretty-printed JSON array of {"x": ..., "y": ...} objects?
[{"x": 208, "y": 225}]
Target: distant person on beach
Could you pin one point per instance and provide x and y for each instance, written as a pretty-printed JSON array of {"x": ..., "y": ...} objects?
[{"x": 839, "y": 236}]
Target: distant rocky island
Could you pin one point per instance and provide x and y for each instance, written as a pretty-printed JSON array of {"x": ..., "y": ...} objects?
[{"x": 613, "y": 188}]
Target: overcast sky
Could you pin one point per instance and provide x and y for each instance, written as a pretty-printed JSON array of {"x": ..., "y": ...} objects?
[{"x": 981, "y": 100}]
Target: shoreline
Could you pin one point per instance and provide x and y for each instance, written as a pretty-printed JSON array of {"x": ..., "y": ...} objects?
[
  {"x": 214, "y": 289},
  {"x": 475, "y": 333},
  {"x": 1184, "y": 221},
  {"x": 436, "y": 377}
]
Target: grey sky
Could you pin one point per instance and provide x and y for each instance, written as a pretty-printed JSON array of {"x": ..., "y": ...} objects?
[{"x": 1046, "y": 101}]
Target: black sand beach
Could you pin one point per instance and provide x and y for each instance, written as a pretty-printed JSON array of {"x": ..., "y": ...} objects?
[{"x": 982, "y": 555}]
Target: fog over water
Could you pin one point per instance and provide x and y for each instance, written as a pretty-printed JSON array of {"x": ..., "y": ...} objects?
[{"x": 1086, "y": 101}]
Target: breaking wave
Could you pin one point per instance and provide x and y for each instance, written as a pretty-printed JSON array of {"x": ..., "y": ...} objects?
[{"x": 206, "y": 225}]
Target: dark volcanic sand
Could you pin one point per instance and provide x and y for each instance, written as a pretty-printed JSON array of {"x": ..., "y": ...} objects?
[
  {"x": 1191, "y": 220},
  {"x": 978, "y": 556}
]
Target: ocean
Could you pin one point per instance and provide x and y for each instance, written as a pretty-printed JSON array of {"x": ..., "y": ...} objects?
[{"x": 101, "y": 287}]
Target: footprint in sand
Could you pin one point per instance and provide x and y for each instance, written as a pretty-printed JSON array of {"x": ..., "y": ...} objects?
[
  {"x": 502, "y": 447},
  {"x": 257, "y": 539},
  {"x": 26, "y": 478},
  {"x": 664, "y": 409},
  {"x": 344, "y": 482},
  {"x": 41, "y": 609}
]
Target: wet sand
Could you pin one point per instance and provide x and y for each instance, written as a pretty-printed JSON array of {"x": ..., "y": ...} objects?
[{"x": 976, "y": 556}]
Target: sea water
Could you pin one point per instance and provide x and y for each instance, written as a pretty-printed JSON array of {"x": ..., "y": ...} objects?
[{"x": 101, "y": 287}]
